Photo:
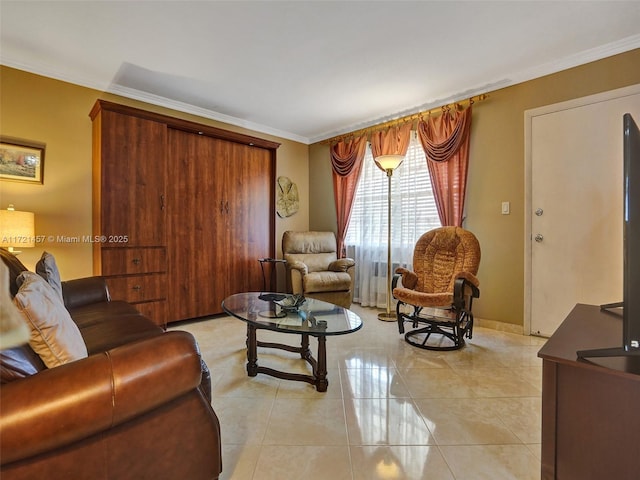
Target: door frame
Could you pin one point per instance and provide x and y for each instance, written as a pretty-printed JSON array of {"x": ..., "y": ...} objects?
[{"x": 529, "y": 115}]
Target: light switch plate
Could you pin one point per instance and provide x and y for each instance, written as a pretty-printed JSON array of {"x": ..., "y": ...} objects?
[{"x": 506, "y": 208}]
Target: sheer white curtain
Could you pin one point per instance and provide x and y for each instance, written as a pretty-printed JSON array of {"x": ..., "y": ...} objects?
[{"x": 413, "y": 212}]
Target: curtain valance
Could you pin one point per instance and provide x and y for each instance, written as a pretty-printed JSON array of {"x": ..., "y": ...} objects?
[
  {"x": 347, "y": 155},
  {"x": 445, "y": 140},
  {"x": 346, "y": 161},
  {"x": 442, "y": 136}
]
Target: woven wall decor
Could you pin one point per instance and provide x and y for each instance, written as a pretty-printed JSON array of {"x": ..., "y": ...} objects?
[{"x": 288, "y": 201}]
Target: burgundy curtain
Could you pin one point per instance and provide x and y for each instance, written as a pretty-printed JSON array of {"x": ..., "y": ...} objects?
[
  {"x": 392, "y": 141},
  {"x": 346, "y": 160},
  {"x": 445, "y": 140}
]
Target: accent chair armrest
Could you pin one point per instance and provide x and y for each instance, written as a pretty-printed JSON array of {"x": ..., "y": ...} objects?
[
  {"x": 465, "y": 286},
  {"x": 409, "y": 278},
  {"x": 296, "y": 270},
  {"x": 469, "y": 277},
  {"x": 84, "y": 291},
  {"x": 341, "y": 265},
  {"x": 300, "y": 266}
]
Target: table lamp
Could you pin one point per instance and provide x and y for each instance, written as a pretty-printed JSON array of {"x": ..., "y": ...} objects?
[{"x": 16, "y": 229}]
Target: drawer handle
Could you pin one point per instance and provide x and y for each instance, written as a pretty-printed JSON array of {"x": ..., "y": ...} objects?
[
  {"x": 136, "y": 261},
  {"x": 137, "y": 287}
]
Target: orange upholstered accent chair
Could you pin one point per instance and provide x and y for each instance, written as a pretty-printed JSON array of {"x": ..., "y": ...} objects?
[{"x": 438, "y": 293}]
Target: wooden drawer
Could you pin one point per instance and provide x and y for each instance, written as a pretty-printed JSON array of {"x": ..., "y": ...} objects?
[
  {"x": 130, "y": 261},
  {"x": 138, "y": 288},
  {"x": 156, "y": 311}
]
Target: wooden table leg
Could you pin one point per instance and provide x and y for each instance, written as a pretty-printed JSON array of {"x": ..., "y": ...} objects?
[
  {"x": 252, "y": 351},
  {"x": 319, "y": 365},
  {"x": 305, "y": 352},
  {"x": 321, "y": 373}
]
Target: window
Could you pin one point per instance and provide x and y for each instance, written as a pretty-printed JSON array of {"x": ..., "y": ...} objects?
[{"x": 413, "y": 212}]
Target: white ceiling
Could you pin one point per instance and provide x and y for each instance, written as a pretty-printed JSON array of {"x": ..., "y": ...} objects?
[{"x": 308, "y": 70}]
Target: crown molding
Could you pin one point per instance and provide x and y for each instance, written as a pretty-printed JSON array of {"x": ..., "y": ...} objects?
[
  {"x": 134, "y": 94},
  {"x": 203, "y": 112},
  {"x": 584, "y": 57},
  {"x": 446, "y": 100},
  {"x": 581, "y": 58},
  {"x": 49, "y": 71}
]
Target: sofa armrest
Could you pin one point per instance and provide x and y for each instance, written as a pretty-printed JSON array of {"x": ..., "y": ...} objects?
[
  {"x": 83, "y": 291},
  {"x": 60, "y": 406}
]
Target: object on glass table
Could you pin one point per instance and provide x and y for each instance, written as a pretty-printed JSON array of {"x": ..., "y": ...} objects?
[
  {"x": 291, "y": 303},
  {"x": 309, "y": 317},
  {"x": 271, "y": 297}
]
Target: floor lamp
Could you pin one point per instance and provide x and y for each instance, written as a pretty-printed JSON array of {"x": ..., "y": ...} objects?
[{"x": 388, "y": 163}]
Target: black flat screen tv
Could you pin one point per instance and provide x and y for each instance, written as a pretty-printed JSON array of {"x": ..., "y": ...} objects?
[{"x": 631, "y": 257}]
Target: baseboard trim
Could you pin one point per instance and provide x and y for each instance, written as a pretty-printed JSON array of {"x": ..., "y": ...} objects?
[{"x": 500, "y": 326}]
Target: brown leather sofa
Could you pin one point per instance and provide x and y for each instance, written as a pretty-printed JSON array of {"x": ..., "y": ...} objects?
[{"x": 137, "y": 407}]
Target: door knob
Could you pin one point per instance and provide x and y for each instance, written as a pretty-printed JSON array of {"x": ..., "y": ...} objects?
[
  {"x": 538, "y": 238},
  {"x": 539, "y": 212}
]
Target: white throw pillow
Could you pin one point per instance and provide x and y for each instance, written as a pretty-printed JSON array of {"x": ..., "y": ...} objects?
[{"x": 54, "y": 335}]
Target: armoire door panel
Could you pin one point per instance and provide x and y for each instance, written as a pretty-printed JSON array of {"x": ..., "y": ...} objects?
[
  {"x": 197, "y": 224},
  {"x": 251, "y": 216},
  {"x": 133, "y": 180}
]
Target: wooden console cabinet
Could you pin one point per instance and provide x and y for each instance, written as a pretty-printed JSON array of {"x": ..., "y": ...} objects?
[
  {"x": 183, "y": 211},
  {"x": 590, "y": 409}
]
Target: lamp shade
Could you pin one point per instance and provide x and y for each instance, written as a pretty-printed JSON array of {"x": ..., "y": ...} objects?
[
  {"x": 16, "y": 228},
  {"x": 388, "y": 162}
]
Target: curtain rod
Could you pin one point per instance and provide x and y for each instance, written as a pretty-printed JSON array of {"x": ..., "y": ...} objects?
[{"x": 407, "y": 118}]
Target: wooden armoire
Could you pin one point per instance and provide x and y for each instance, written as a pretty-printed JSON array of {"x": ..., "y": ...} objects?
[{"x": 182, "y": 211}]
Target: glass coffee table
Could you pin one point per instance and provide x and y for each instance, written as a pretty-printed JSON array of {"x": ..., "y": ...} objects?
[{"x": 313, "y": 318}]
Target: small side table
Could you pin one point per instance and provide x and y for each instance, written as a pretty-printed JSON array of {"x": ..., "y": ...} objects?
[{"x": 274, "y": 262}]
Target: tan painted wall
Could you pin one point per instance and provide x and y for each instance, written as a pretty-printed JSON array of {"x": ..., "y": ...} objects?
[
  {"x": 54, "y": 112},
  {"x": 57, "y": 113},
  {"x": 496, "y": 174}
]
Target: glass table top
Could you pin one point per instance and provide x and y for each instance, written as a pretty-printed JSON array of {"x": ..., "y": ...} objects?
[{"x": 313, "y": 317}]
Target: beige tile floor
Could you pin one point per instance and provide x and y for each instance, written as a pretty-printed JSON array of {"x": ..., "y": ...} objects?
[{"x": 392, "y": 411}]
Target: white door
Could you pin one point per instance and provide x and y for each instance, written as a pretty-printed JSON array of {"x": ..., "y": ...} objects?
[{"x": 574, "y": 206}]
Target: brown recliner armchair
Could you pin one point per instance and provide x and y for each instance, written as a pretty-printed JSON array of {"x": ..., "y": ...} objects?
[
  {"x": 314, "y": 269},
  {"x": 439, "y": 292}
]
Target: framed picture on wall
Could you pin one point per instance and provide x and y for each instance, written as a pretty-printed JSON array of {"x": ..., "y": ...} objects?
[{"x": 21, "y": 160}]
